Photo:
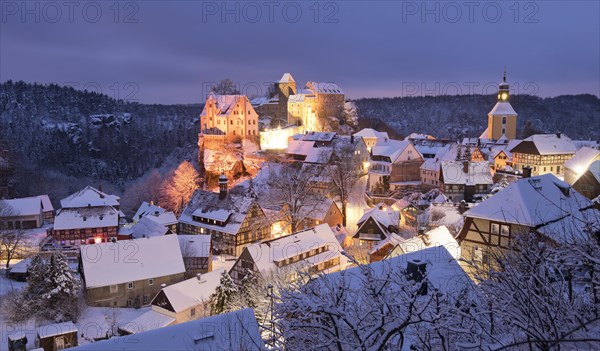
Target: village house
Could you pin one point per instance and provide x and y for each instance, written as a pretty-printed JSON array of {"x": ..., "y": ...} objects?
[
  {"x": 461, "y": 180},
  {"x": 229, "y": 331},
  {"x": 196, "y": 251},
  {"x": 312, "y": 250},
  {"x": 376, "y": 225},
  {"x": 394, "y": 167},
  {"x": 371, "y": 137},
  {"x": 544, "y": 153},
  {"x": 178, "y": 303},
  {"x": 24, "y": 213},
  {"x": 157, "y": 214},
  {"x": 130, "y": 273},
  {"x": 86, "y": 217},
  {"x": 542, "y": 204},
  {"x": 54, "y": 337},
  {"x": 439, "y": 236},
  {"x": 232, "y": 218},
  {"x": 325, "y": 211}
]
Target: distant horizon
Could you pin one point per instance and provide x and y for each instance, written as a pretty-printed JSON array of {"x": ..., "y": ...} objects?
[{"x": 347, "y": 98}]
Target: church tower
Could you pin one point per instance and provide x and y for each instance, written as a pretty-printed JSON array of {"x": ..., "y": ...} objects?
[{"x": 502, "y": 119}]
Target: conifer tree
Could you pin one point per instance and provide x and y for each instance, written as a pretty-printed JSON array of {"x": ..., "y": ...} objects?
[{"x": 223, "y": 295}]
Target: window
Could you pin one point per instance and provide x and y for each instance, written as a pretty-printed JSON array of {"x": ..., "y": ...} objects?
[
  {"x": 94, "y": 230},
  {"x": 114, "y": 289},
  {"x": 130, "y": 285},
  {"x": 193, "y": 312},
  {"x": 477, "y": 254},
  {"x": 495, "y": 228},
  {"x": 128, "y": 303},
  {"x": 81, "y": 231},
  {"x": 145, "y": 300},
  {"x": 504, "y": 120},
  {"x": 151, "y": 281},
  {"x": 504, "y": 230},
  {"x": 105, "y": 230}
]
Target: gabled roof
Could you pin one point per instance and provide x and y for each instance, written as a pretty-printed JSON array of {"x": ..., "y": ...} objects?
[
  {"x": 439, "y": 236},
  {"x": 316, "y": 136},
  {"x": 28, "y": 206},
  {"x": 86, "y": 217},
  {"x": 194, "y": 291},
  {"x": 324, "y": 88},
  {"x": 546, "y": 144},
  {"x": 478, "y": 173},
  {"x": 229, "y": 331},
  {"x": 286, "y": 78},
  {"x": 582, "y": 159},
  {"x": 147, "y": 208},
  {"x": 89, "y": 196},
  {"x": 47, "y": 331},
  {"x": 503, "y": 108},
  {"x": 146, "y": 228},
  {"x": 543, "y": 202},
  {"x": 265, "y": 254},
  {"x": 224, "y": 103},
  {"x": 384, "y": 217},
  {"x": 390, "y": 148},
  {"x": 194, "y": 245},
  {"x": 371, "y": 133},
  {"x": 234, "y": 207},
  {"x": 153, "y": 257}
]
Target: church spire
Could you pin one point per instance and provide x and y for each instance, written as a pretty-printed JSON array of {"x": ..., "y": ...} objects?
[{"x": 503, "y": 89}]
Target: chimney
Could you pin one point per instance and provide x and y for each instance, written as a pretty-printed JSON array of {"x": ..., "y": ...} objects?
[
  {"x": 466, "y": 166},
  {"x": 351, "y": 139},
  {"x": 222, "y": 186},
  {"x": 526, "y": 172},
  {"x": 199, "y": 276},
  {"x": 416, "y": 271},
  {"x": 558, "y": 135}
]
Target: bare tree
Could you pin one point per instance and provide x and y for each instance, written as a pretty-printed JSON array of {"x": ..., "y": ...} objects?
[
  {"x": 225, "y": 87},
  {"x": 147, "y": 188},
  {"x": 293, "y": 191},
  {"x": 12, "y": 239},
  {"x": 179, "y": 188},
  {"x": 344, "y": 172}
]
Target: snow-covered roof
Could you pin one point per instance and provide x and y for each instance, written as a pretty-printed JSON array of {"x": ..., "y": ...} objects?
[
  {"x": 443, "y": 271},
  {"x": 194, "y": 291},
  {"x": 582, "y": 159},
  {"x": 324, "y": 88},
  {"x": 147, "y": 208},
  {"x": 194, "y": 245},
  {"x": 431, "y": 164},
  {"x": 267, "y": 253},
  {"x": 537, "y": 202},
  {"x": 419, "y": 136},
  {"x": 503, "y": 108},
  {"x": 146, "y": 228},
  {"x": 439, "y": 236},
  {"x": 299, "y": 147},
  {"x": 21, "y": 266},
  {"x": 46, "y": 203},
  {"x": 28, "y": 206},
  {"x": 86, "y": 217},
  {"x": 149, "y": 320},
  {"x": 138, "y": 259},
  {"x": 384, "y": 217},
  {"x": 546, "y": 144},
  {"x": 320, "y": 155},
  {"x": 371, "y": 133},
  {"x": 224, "y": 103},
  {"x": 319, "y": 210},
  {"x": 47, "y": 331},
  {"x": 390, "y": 148},
  {"x": 317, "y": 136},
  {"x": 478, "y": 173},
  {"x": 208, "y": 205},
  {"x": 229, "y": 331},
  {"x": 89, "y": 196},
  {"x": 286, "y": 78}
]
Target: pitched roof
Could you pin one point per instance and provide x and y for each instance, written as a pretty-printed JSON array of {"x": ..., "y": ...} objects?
[
  {"x": 371, "y": 133},
  {"x": 86, "y": 217},
  {"x": 28, "y": 206},
  {"x": 503, "y": 108},
  {"x": 229, "y": 331},
  {"x": 149, "y": 320},
  {"x": 147, "y": 208},
  {"x": 147, "y": 228},
  {"x": 47, "y": 331},
  {"x": 390, "y": 148},
  {"x": 139, "y": 259},
  {"x": 265, "y": 254},
  {"x": 541, "y": 202},
  {"x": 385, "y": 218},
  {"x": 224, "y": 103},
  {"x": 89, "y": 196},
  {"x": 194, "y": 245},
  {"x": 477, "y": 173},
  {"x": 233, "y": 209},
  {"x": 582, "y": 159},
  {"x": 439, "y": 236},
  {"x": 324, "y": 88},
  {"x": 194, "y": 291},
  {"x": 546, "y": 144},
  {"x": 286, "y": 78}
]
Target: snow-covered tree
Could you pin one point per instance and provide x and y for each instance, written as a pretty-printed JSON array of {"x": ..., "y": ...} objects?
[
  {"x": 180, "y": 187},
  {"x": 147, "y": 188},
  {"x": 220, "y": 300},
  {"x": 344, "y": 171},
  {"x": 11, "y": 239},
  {"x": 62, "y": 290}
]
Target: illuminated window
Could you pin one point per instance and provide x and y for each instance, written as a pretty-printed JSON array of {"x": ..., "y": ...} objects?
[{"x": 495, "y": 228}]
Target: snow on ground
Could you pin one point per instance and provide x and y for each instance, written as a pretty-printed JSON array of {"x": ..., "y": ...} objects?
[{"x": 445, "y": 214}]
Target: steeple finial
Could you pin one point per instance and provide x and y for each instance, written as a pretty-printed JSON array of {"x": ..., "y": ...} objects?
[{"x": 504, "y": 79}]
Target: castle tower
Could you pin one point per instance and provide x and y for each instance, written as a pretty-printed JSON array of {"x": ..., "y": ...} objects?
[
  {"x": 285, "y": 87},
  {"x": 502, "y": 119}
]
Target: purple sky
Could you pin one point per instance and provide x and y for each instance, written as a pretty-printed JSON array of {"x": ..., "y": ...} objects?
[{"x": 170, "y": 52}]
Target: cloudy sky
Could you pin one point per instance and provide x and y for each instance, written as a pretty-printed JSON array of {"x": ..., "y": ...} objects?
[{"x": 171, "y": 52}]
